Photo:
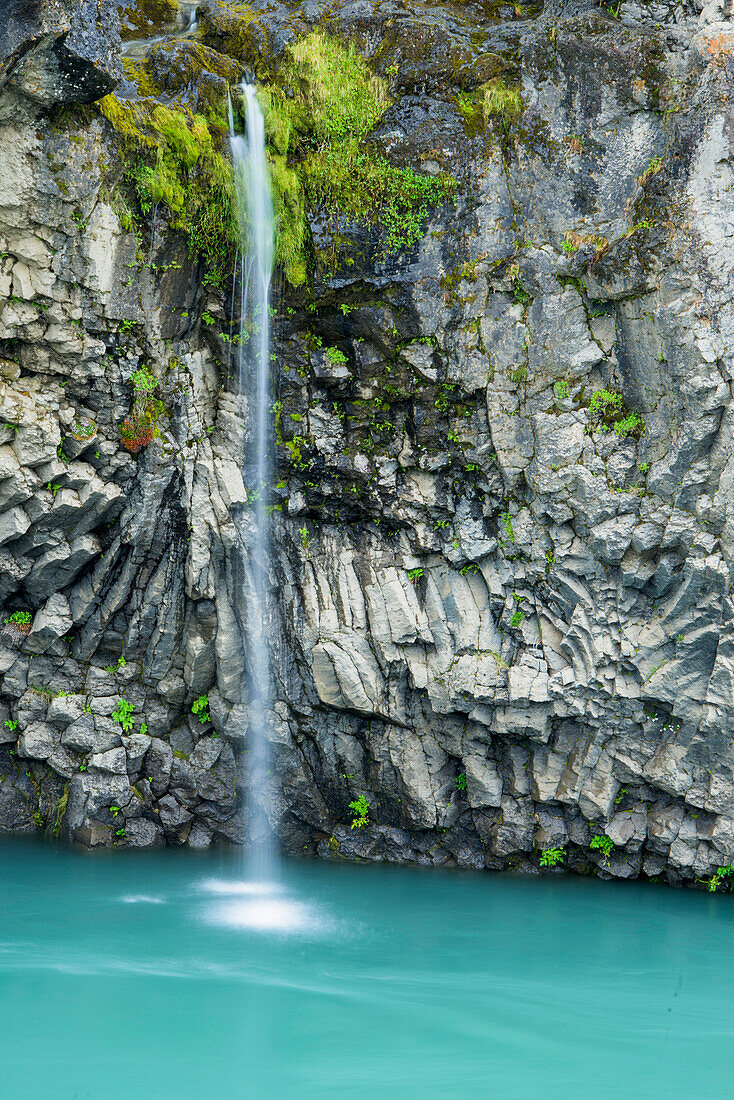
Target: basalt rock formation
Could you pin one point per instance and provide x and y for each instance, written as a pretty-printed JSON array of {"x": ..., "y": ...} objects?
[{"x": 502, "y": 525}]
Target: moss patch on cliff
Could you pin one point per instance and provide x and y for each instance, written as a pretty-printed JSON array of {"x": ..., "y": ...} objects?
[
  {"x": 318, "y": 118},
  {"x": 319, "y": 113},
  {"x": 144, "y": 17},
  {"x": 189, "y": 74},
  {"x": 234, "y": 29},
  {"x": 175, "y": 163}
]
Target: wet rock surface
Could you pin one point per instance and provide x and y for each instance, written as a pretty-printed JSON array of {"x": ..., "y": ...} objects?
[
  {"x": 502, "y": 533},
  {"x": 60, "y": 51}
]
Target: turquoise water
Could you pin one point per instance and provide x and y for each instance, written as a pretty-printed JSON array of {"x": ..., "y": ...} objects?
[{"x": 146, "y": 976}]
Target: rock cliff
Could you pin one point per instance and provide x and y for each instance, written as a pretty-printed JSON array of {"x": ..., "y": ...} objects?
[{"x": 502, "y": 522}]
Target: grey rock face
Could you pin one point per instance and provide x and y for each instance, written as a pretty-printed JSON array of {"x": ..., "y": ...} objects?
[
  {"x": 60, "y": 51},
  {"x": 501, "y": 600}
]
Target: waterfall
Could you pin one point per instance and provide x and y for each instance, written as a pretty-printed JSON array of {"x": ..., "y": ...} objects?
[{"x": 254, "y": 271}]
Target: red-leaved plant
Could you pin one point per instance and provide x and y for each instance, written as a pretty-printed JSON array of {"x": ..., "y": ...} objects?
[{"x": 135, "y": 434}]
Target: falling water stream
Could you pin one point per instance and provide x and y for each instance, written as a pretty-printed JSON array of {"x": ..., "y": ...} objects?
[{"x": 255, "y": 264}]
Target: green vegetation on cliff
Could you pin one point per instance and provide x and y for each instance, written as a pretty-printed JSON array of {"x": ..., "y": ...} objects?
[
  {"x": 319, "y": 112},
  {"x": 318, "y": 116},
  {"x": 175, "y": 162}
]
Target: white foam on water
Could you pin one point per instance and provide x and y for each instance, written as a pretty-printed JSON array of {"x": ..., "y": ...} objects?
[
  {"x": 258, "y": 907},
  {"x": 263, "y": 914},
  {"x": 228, "y": 886},
  {"x": 136, "y": 899}
]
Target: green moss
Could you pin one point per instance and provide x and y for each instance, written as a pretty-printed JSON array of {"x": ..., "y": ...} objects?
[
  {"x": 143, "y": 16},
  {"x": 137, "y": 73},
  {"x": 61, "y": 810},
  {"x": 233, "y": 29},
  {"x": 176, "y": 163},
  {"x": 188, "y": 73},
  {"x": 290, "y": 205},
  {"x": 501, "y": 100},
  {"x": 319, "y": 112},
  {"x": 338, "y": 96},
  {"x": 471, "y": 106},
  {"x": 317, "y": 117},
  {"x": 356, "y": 180},
  {"x": 495, "y": 100}
]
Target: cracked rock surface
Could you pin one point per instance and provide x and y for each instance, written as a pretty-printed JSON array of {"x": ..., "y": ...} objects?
[{"x": 501, "y": 608}]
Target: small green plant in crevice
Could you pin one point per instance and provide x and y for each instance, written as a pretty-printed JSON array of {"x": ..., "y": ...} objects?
[
  {"x": 61, "y": 810},
  {"x": 552, "y": 857},
  {"x": 720, "y": 875},
  {"x": 517, "y": 618},
  {"x": 200, "y": 707},
  {"x": 506, "y": 521},
  {"x": 630, "y": 425},
  {"x": 11, "y": 724},
  {"x": 123, "y": 713},
  {"x": 20, "y": 618},
  {"x": 303, "y": 532},
  {"x": 141, "y": 426},
  {"x": 143, "y": 380},
  {"x": 112, "y": 669},
  {"x": 360, "y": 808},
  {"x": 135, "y": 434},
  {"x": 561, "y": 389},
  {"x": 604, "y": 844},
  {"x": 415, "y": 574},
  {"x": 646, "y": 223},
  {"x": 652, "y": 170},
  {"x": 460, "y": 781},
  {"x": 608, "y": 411},
  {"x": 335, "y": 356},
  {"x": 520, "y": 293},
  {"x": 605, "y": 403}
]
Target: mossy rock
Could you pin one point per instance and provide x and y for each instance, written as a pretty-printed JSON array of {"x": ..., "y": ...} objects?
[
  {"x": 318, "y": 120},
  {"x": 421, "y": 56},
  {"x": 480, "y": 70},
  {"x": 145, "y": 17},
  {"x": 176, "y": 160},
  {"x": 192, "y": 74},
  {"x": 234, "y": 31}
]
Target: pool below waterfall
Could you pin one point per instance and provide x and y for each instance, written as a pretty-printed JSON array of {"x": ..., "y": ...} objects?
[{"x": 163, "y": 976}]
